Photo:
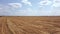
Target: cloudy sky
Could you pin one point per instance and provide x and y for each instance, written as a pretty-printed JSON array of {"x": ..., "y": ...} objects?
[{"x": 29, "y": 7}]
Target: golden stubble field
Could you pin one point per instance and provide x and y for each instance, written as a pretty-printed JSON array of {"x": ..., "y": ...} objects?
[{"x": 30, "y": 25}]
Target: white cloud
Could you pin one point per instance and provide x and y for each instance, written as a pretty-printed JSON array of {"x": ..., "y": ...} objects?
[
  {"x": 56, "y": 3},
  {"x": 45, "y": 3},
  {"x": 15, "y": 5},
  {"x": 52, "y": 3},
  {"x": 55, "y": 8},
  {"x": 26, "y": 2}
]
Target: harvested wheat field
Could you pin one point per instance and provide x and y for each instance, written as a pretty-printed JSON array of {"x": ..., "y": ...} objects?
[{"x": 29, "y": 25}]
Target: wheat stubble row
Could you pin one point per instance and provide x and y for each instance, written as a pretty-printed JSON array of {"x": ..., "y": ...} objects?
[{"x": 29, "y": 25}]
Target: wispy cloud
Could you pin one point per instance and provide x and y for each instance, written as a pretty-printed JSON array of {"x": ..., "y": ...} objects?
[
  {"x": 45, "y": 3},
  {"x": 15, "y": 5},
  {"x": 26, "y": 2},
  {"x": 56, "y": 3}
]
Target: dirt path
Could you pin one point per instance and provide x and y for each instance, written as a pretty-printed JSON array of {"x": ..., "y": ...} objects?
[{"x": 2, "y": 20}]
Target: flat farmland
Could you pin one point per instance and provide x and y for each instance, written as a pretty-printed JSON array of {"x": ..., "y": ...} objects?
[{"x": 30, "y": 25}]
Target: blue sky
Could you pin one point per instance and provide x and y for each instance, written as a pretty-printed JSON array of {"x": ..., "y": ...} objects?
[{"x": 29, "y": 7}]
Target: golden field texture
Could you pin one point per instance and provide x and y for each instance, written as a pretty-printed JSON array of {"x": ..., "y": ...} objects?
[{"x": 30, "y": 25}]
